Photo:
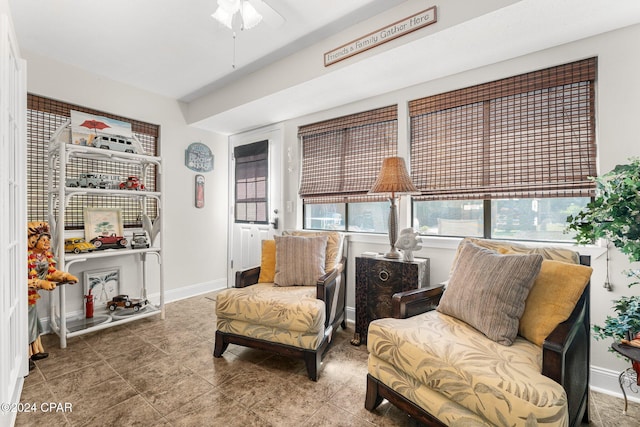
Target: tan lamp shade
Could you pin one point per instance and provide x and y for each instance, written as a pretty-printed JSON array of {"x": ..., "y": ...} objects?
[{"x": 393, "y": 178}]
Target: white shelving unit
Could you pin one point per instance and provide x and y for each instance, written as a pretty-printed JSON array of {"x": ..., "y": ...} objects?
[{"x": 61, "y": 152}]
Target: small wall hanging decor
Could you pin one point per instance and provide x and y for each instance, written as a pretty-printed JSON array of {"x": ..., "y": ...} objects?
[
  {"x": 198, "y": 157},
  {"x": 199, "y": 191}
]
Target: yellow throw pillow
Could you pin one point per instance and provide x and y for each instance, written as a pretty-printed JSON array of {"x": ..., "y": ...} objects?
[
  {"x": 552, "y": 298},
  {"x": 268, "y": 262}
]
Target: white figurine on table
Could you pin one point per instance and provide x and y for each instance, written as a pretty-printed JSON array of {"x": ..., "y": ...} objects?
[{"x": 408, "y": 241}]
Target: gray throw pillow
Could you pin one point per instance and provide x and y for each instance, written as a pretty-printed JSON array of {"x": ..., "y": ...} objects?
[
  {"x": 488, "y": 290},
  {"x": 299, "y": 260}
]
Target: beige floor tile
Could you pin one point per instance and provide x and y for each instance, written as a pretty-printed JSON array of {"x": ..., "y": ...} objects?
[
  {"x": 63, "y": 361},
  {"x": 328, "y": 415},
  {"x": 83, "y": 379},
  {"x": 156, "y": 372},
  {"x": 135, "y": 410},
  {"x": 34, "y": 397},
  {"x": 136, "y": 359},
  {"x": 214, "y": 408},
  {"x": 91, "y": 402},
  {"x": 167, "y": 384}
]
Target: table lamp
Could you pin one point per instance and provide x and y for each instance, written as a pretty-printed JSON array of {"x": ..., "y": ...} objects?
[{"x": 393, "y": 179}]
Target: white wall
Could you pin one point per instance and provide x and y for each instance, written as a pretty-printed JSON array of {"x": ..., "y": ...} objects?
[
  {"x": 618, "y": 89},
  {"x": 194, "y": 247}
]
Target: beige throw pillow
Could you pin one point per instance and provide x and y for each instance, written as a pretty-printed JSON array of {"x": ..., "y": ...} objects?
[
  {"x": 488, "y": 290},
  {"x": 299, "y": 260},
  {"x": 334, "y": 245}
]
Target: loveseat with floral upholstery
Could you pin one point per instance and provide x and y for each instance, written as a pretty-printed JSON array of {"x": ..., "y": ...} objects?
[
  {"x": 506, "y": 345},
  {"x": 292, "y": 303}
]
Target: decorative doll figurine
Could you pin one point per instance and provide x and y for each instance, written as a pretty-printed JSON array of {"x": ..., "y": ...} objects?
[
  {"x": 42, "y": 275},
  {"x": 408, "y": 241}
]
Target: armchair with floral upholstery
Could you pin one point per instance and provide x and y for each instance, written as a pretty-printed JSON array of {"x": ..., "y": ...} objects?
[
  {"x": 507, "y": 343},
  {"x": 291, "y": 303}
]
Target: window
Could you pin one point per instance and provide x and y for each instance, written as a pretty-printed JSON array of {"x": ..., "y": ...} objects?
[
  {"x": 506, "y": 159},
  {"x": 252, "y": 170},
  {"x": 44, "y": 117},
  {"x": 341, "y": 159}
]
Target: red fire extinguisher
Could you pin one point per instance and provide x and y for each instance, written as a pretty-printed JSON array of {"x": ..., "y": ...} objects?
[{"x": 89, "y": 305}]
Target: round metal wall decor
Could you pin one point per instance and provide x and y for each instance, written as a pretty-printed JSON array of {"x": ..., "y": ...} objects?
[{"x": 198, "y": 157}]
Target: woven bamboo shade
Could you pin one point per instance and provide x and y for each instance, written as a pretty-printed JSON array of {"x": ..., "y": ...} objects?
[
  {"x": 531, "y": 135},
  {"x": 341, "y": 157}
]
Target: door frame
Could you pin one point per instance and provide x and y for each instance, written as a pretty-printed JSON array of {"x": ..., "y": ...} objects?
[
  {"x": 14, "y": 348},
  {"x": 273, "y": 134}
]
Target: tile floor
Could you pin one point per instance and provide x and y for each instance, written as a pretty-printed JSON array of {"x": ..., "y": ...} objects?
[{"x": 162, "y": 373}]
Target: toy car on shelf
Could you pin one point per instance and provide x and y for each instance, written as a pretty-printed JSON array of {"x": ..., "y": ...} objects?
[
  {"x": 139, "y": 241},
  {"x": 77, "y": 245},
  {"x": 123, "y": 301},
  {"x": 87, "y": 180},
  {"x": 114, "y": 142},
  {"x": 113, "y": 241},
  {"x": 132, "y": 183}
]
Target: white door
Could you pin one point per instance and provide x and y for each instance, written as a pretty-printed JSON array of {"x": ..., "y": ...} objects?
[
  {"x": 13, "y": 222},
  {"x": 254, "y": 196}
]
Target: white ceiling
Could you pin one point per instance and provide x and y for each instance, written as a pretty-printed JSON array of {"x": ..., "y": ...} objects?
[{"x": 174, "y": 47}]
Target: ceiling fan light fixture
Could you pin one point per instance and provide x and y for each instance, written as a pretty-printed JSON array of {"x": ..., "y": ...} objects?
[
  {"x": 250, "y": 16},
  {"x": 228, "y": 8},
  {"x": 223, "y": 17}
]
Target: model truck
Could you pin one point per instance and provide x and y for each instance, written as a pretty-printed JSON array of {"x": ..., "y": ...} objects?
[
  {"x": 90, "y": 180},
  {"x": 94, "y": 180}
]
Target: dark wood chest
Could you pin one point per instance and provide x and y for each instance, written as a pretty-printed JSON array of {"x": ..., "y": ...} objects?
[{"x": 377, "y": 279}]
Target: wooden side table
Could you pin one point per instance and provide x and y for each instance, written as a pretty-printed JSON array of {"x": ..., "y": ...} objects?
[
  {"x": 630, "y": 375},
  {"x": 377, "y": 279}
]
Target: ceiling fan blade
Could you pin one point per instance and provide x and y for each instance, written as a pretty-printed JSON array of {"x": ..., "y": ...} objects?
[{"x": 269, "y": 14}]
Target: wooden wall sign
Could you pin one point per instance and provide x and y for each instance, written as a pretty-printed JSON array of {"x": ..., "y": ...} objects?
[{"x": 383, "y": 35}]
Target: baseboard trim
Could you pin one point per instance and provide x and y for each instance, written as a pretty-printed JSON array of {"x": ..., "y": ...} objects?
[
  {"x": 605, "y": 381},
  {"x": 190, "y": 291}
]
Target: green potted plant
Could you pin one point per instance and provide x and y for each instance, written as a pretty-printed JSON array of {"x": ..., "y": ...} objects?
[{"x": 614, "y": 215}]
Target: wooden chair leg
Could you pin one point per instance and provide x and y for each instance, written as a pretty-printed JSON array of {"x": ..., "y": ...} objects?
[
  {"x": 312, "y": 360},
  {"x": 220, "y": 345},
  {"x": 372, "y": 399}
]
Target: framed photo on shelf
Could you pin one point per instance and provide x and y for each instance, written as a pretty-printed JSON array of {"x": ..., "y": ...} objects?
[
  {"x": 102, "y": 222},
  {"x": 104, "y": 285}
]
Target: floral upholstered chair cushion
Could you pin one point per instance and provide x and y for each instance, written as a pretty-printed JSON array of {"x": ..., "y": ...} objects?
[
  {"x": 289, "y": 315},
  {"x": 460, "y": 376}
]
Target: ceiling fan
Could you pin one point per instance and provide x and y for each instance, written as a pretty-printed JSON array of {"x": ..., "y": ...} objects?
[{"x": 246, "y": 14}]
